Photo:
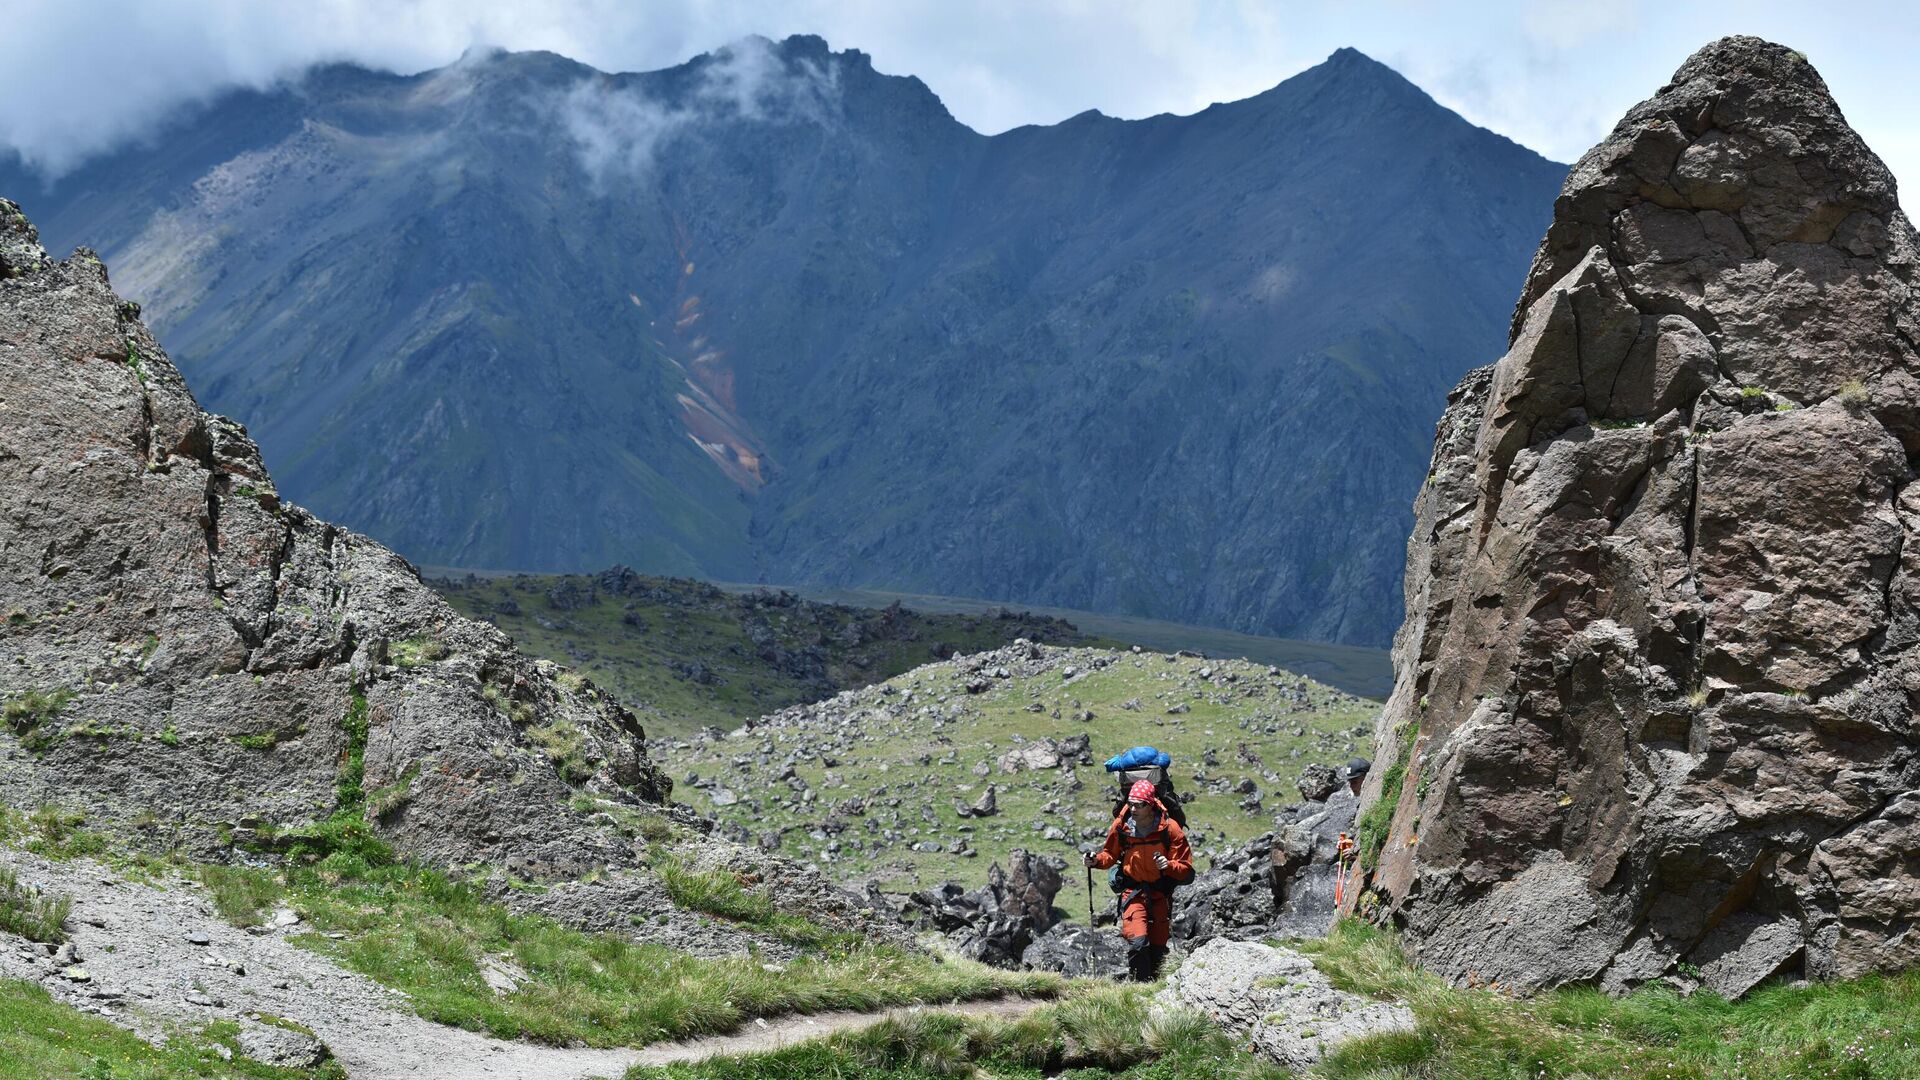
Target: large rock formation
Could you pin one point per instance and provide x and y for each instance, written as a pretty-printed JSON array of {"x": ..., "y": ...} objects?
[
  {"x": 1655, "y": 703},
  {"x": 185, "y": 654}
]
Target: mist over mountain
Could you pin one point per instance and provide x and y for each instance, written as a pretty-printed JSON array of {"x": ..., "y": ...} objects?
[{"x": 773, "y": 315}]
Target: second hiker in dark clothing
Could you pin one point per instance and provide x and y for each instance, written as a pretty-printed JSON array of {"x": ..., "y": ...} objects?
[{"x": 1151, "y": 851}]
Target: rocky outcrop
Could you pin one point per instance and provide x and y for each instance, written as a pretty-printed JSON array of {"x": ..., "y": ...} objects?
[
  {"x": 1656, "y": 691},
  {"x": 997, "y": 923},
  {"x": 1277, "y": 885},
  {"x": 1275, "y": 1002},
  {"x": 187, "y": 656}
]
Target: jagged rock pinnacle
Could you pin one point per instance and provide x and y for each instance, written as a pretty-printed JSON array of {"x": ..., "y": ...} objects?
[{"x": 1656, "y": 692}]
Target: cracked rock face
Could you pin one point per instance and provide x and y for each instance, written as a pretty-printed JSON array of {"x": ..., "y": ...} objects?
[
  {"x": 1656, "y": 691},
  {"x": 183, "y": 653}
]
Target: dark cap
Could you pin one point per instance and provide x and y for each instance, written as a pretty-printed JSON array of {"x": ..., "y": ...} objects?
[{"x": 1356, "y": 768}]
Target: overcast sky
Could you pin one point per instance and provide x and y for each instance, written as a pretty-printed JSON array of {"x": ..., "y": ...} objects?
[{"x": 78, "y": 75}]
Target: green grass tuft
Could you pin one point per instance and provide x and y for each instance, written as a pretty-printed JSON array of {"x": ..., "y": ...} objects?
[
  {"x": 30, "y": 714},
  {"x": 241, "y": 895},
  {"x": 1379, "y": 817},
  {"x": 416, "y": 652},
  {"x": 30, "y": 913},
  {"x": 349, "y": 790},
  {"x": 714, "y": 892}
]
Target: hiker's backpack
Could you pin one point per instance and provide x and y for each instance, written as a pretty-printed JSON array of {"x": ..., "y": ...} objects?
[{"x": 1146, "y": 763}]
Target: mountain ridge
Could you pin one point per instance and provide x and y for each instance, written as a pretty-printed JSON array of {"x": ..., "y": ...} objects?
[{"x": 774, "y": 315}]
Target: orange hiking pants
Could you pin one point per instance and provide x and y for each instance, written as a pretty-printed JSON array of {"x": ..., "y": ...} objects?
[{"x": 1147, "y": 917}]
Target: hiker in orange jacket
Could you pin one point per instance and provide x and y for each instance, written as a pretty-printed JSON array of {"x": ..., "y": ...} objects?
[{"x": 1151, "y": 850}]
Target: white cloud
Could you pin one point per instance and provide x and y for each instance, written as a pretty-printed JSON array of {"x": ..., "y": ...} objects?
[
  {"x": 617, "y": 129},
  {"x": 79, "y": 76}
]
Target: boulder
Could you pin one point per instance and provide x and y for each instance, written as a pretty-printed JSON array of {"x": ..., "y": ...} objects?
[
  {"x": 281, "y": 1046},
  {"x": 985, "y": 805},
  {"x": 1655, "y": 698},
  {"x": 1027, "y": 887},
  {"x": 1077, "y": 951},
  {"x": 1275, "y": 1002},
  {"x": 1316, "y": 782}
]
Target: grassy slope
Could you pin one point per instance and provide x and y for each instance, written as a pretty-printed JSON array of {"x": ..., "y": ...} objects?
[
  {"x": 41, "y": 1038},
  {"x": 630, "y": 642},
  {"x": 879, "y": 756},
  {"x": 431, "y": 937}
]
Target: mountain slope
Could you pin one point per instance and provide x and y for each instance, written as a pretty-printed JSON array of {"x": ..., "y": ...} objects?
[{"x": 774, "y": 315}]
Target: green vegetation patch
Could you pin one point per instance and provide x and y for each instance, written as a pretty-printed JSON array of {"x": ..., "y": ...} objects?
[
  {"x": 725, "y": 895},
  {"x": 349, "y": 789},
  {"x": 1098, "y": 1032},
  {"x": 31, "y": 715},
  {"x": 50, "y": 832},
  {"x": 1865, "y": 1029},
  {"x": 265, "y": 740},
  {"x": 30, "y": 913},
  {"x": 1374, "y": 825},
  {"x": 714, "y": 892},
  {"x": 241, "y": 896},
  {"x": 566, "y": 746},
  {"x": 431, "y": 936},
  {"x": 416, "y": 652},
  {"x": 41, "y": 1038}
]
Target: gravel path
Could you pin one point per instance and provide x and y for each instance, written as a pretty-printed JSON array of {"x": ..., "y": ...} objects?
[{"x": 148, "y": 957}]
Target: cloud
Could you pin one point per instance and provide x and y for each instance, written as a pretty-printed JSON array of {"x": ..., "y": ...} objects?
[
  {"x": 617, "y": 128},
  {"x": 77, "y": 78}
]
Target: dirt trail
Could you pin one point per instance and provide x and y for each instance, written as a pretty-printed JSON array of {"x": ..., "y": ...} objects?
[{"x": 154, "y": 957}]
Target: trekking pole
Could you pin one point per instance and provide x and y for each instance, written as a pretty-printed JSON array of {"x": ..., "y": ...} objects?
[{"x": 1090, "y": 918}]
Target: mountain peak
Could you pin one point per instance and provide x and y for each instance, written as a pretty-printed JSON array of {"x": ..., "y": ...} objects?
[
  {"x": 1347, "y": 56},
  {"x": 1349, "y": 63}
]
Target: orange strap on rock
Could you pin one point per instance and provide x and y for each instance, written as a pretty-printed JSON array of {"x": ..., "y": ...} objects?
[{"x": 1343, "y": 854}]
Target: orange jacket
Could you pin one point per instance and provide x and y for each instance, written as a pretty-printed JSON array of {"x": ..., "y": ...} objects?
[{"x": 1135, "y": 855}]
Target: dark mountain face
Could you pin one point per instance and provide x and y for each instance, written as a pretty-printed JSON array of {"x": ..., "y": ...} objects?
[{"x": 773, "y": 315}]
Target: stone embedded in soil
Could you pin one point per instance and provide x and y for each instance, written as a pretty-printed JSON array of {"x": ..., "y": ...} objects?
[{"x": 1275, "y": 1002}]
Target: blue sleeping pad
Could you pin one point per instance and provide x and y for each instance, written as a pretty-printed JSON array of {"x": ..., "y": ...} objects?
[{"x": 1139, "y": 757}]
